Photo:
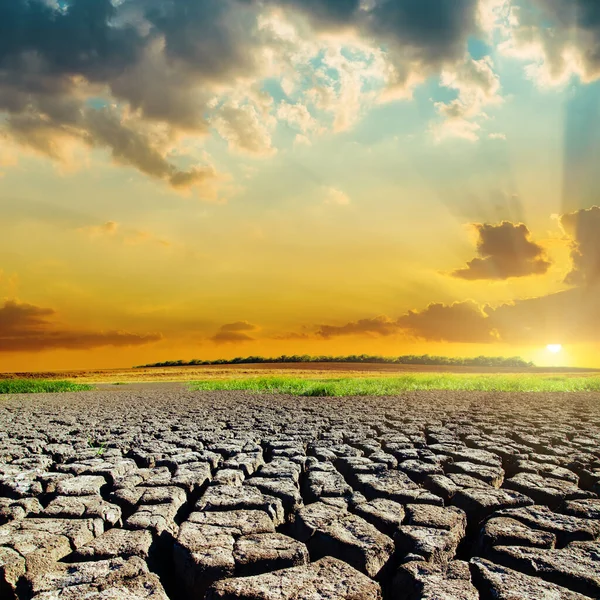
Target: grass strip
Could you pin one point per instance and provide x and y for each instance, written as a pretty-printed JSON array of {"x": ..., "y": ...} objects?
[
  {"x": 386, "y": 386},
  {"x": 38, "y": 386}
]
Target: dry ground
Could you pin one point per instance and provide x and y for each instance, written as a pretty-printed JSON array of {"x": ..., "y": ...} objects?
[{"x": 169, "y": 494}]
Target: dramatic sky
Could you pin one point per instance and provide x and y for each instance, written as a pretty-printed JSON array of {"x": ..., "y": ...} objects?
[{"x": 214, "y": 178}]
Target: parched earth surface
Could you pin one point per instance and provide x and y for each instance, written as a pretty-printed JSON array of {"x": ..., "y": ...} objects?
[{"x": 170, "y": 494}]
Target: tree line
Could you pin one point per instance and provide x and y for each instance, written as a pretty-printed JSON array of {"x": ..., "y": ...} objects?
[{"x": 409, "y": 359}]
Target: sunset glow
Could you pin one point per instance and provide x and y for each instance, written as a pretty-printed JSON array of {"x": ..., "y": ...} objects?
[{"x": 206, "y": 179}]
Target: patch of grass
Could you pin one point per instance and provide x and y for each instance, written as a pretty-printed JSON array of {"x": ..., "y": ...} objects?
[
  {"x": 100, "y": 447},
  {"x": 36, "y": 386},
  {"x": 387, "y": 386}
]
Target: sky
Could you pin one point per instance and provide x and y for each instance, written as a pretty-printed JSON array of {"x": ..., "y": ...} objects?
[{"x": 215, "y": 178}]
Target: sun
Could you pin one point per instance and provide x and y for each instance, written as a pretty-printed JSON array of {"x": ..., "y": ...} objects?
[{"x": 554, "y": 348}]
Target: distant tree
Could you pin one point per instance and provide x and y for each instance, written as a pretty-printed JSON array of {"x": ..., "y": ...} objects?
[{"x": 409, "y": 359}]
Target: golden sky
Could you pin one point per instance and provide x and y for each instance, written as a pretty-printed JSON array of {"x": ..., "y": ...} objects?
[{"x": 208, "y": 179}]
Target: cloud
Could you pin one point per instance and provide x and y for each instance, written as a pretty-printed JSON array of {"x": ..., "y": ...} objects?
[
  {"x": 292, "y": 335},
  {"x": 477, "y": 86},
  {"x": 459, "y": 322},
  {"x": 244, "y": 129},
  {"x": 297, "y": 116},
  {"x": 327, "y": 14},
  {"x": 147, "y": 72},
  {"x": 420, "y": 37},
  {"x": 29, "y": 328},
  {"x": 497, "y": 136},
  {"x": 567, "y": 317},
  {"x": 455, "y": 128},
  {"x": 139, "y": 66},
  {"x": 381, "y": 325},
  {"x": 234, "y": 332},
  {"x": 129, "y": 141},
  {"x": 194, "y": 177},
  {"x": 238, "y": 326},
  {"x": 336, "y": 196},
  {"x": 301, "y": 140},
  {"x": 557, "y": 39},
  {"x": 505, "y": 251},
  {"x": 347, "y": 82},
  {"x": 107, "y": 229},
  {"x": 462, "y": 322},
  {"x": 583, "y": 226},
  {"x": 113, "y": 230},
  {"x": 15, "y": 317}
]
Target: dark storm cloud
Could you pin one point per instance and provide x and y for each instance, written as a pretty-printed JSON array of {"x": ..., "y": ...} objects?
[
  {"x": 209, "y": 35},
  {"x": 165, "y": 58},
  {"x": 434, "y": 31},
  {"x": 326, "y": 13},
  {"x": 43, "y": 47},
  {"x": 150, "y": 55},
  {"x": 234, "y": 332},
  {"x": 29, "y": 328},
  {"x": 77, "y": 39},
  {"x": 191, "y": 46},
  {"x": 418, "y": 34},
  {"x": 580, "y": 13},
  {"x": 505, "y": 251}
]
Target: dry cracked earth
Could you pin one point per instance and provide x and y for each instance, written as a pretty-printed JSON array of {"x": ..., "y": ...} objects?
[{"x": 134, "y": 495}]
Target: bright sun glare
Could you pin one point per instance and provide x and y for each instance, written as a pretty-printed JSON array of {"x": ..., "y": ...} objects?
[{"x": 554, "y": 348}]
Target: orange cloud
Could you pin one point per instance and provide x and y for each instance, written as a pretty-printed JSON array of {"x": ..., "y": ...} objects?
[
  {"x": 571, "y": 316},
  {"x": 381, "y": 325},
  {"x": 291, "y": 335},
  {"x": 505, "y": 251},
  {"x": 29, "y": 328},
  {"x": 234, "y": 332},
  {"x": 459, "y": 322}
]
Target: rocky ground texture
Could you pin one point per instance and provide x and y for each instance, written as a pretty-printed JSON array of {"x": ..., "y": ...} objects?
[{"x": 170, "y": 494}]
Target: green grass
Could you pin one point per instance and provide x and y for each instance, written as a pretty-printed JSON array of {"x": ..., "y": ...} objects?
[
  {"x": 385, "y": 386},
  {"x": 34, "y": 386}
]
